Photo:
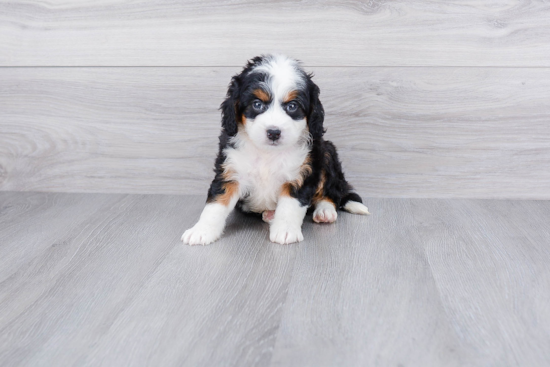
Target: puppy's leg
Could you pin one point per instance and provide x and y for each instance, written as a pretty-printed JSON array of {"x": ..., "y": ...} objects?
[
  {"x": 286, "y": 226},
  {"x": 212, "y": 220},
  {"x": 325, "y": 211}
]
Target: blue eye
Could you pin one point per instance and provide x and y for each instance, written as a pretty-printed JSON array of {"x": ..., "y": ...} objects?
[
  {"x": 291, "y": 107},
  {"x": 258, "y": 105}
]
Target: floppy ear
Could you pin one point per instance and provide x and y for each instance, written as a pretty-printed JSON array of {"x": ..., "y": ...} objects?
[
  {"x": 316, "y": 114},
  {"x": 230, "y": 106}
]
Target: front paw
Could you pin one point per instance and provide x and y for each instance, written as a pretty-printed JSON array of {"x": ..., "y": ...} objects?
[
  {"x": 284, "y": 233},
  {"x": 200, "y": 234}
]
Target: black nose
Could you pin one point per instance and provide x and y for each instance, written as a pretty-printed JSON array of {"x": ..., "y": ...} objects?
[{"x": 273, "y": 134}]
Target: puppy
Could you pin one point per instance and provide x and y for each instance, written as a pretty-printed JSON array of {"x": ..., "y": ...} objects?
[{"x": 272, "y": 157}]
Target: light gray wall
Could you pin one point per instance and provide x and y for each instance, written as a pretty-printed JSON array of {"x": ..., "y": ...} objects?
[{"x": 423, "y": 99}]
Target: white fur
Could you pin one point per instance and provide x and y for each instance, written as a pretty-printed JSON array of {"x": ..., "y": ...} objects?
[
  {"x": 325, "y": 212},
  {"x": 356, "y": 208},
  {"x": 259, "y": 165},
  {"x": 283, "y": 77},
  {"x": 262, "y": 166},
  {"x": 292, "y": 131},
  {"x": 286, "y": 226},
  {"x": 283, "y": 74},
  {"x": 261, "y": 173},
  {"x": 210, "y": 225}
]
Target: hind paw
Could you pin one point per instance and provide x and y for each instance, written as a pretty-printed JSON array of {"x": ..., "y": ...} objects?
[{"x": 325, "y": 212}]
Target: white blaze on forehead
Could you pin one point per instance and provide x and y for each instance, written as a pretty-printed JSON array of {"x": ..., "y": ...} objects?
[{"x": 283, "y": 75}]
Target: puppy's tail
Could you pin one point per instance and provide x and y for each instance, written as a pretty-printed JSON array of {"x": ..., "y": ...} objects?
[{"x": 352, "y": 203}]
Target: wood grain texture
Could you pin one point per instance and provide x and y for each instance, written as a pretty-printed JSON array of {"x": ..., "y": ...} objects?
[
  {"x": 321, "y": 33},
  {"x": 423, "y": 282},
  {"x": 80, "y": 288},
  {"x": 497, "y": 247},
  {"x": 363, "y": 294},
  {"x": 420, "y": 282},
  {"x": 401, "y": 132}
]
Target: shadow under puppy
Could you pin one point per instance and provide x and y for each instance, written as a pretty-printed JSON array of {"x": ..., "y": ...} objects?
[{"x": 272, "y": 157}]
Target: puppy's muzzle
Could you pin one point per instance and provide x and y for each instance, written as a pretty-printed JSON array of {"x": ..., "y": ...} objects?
[{"x": 273, "y": 134}]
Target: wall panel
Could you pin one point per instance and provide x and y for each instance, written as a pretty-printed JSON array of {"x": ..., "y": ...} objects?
[
  {"x": 401, "y": 131},
  {"x": 320, "y": 33}
]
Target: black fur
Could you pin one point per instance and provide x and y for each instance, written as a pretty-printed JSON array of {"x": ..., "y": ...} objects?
[
  {"x": 326, "y": 168},
  {"x": 324, "y": 161},
  {"x": 316, "y": 114},
  {"x": 229, "y": 108}
]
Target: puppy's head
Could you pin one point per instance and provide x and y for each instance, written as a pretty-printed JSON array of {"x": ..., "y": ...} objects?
[{"x": 274, "y": 102}]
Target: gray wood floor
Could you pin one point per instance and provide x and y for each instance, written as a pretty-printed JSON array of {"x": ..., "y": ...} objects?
[{"x": 96, "y": 279}]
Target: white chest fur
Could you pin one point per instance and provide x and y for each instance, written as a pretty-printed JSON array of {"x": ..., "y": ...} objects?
[{"x": 261, "y": 173}]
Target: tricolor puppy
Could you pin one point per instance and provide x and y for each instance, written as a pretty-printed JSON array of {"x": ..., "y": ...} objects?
[{"x": 272, "y": 158}]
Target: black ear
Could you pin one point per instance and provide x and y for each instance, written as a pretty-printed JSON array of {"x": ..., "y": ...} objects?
[
  {"x": 316, "y": 114},
  {"x": 230, "y": 107}
]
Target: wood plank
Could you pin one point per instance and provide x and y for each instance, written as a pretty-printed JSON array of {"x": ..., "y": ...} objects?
[
  {"x": 109, "y": 128},
  {"x": 490, "y": 262},
  {"x": 218, "y": 305},
  {"x": 401, "y": 132},
  {"x": 121, "y": 288},
  {"x": 326, "y": 33},
  {"x": 37, "y": 221},
  {"x": 362, "y": 294},
  {"x": 422, "y": 283}
]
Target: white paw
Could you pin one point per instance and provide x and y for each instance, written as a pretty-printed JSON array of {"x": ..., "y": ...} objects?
[
  {"x": 268, "y": 215},
  {"x": 284, "y": 233},
  {"x": 201, "y": 234},
  {"x": 325, "y": 213}
]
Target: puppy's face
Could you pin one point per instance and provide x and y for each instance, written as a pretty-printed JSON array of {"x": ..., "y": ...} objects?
[
  {"x": 273, "y": 103},
  {"x": 274, "y": 120}
]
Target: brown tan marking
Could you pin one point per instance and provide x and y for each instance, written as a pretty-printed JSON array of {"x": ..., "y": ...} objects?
[
  {"x": 318, "y": 196},
  {"x": 324, "y": 198},
  {"x": 290, "y": 96},
  {"x": 305, "y": 171},
  {"x": 261, "y": 94},
  {"x": 230, "y": 189},
  {"x": 319, "y": 193},
  {"x": 286, "y": 188},
  {"x": 327, "y": 157}
]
